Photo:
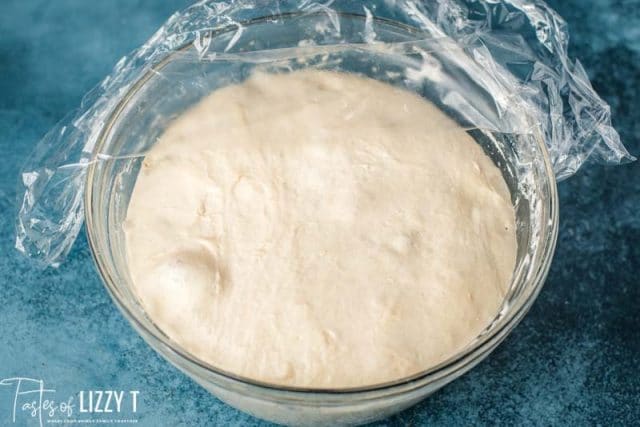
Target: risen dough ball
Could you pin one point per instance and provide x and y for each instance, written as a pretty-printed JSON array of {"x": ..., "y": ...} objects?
[{"x": 319, "y": 229}]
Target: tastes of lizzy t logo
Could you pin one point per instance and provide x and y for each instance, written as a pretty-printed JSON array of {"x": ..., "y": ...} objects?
[{"x": 30, "y": 398}]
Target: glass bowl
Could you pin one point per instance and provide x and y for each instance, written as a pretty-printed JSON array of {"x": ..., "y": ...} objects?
[{"x": 281, "y": 45}]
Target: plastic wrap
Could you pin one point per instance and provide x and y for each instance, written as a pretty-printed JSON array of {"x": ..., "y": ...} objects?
[{"x": 515, "y": 50}]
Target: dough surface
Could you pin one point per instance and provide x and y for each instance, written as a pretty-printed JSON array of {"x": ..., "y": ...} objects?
[{"x": 319, "y": 229}]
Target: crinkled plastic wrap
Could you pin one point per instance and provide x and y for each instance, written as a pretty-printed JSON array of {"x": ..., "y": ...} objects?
[{"x": 514, "y": 51}]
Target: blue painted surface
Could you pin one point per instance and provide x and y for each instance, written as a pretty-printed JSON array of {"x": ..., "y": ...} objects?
[{"x": 574, "y": 360}]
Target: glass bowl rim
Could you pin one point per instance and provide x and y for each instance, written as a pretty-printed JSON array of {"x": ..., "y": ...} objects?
[{"x": 466, "y": 358}]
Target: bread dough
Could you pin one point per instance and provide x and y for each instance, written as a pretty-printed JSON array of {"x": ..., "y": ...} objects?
[{"x": 319, "y": 229}]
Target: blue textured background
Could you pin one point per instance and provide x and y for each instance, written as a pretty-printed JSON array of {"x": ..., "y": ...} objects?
[{"x": 574, "y": 360}]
